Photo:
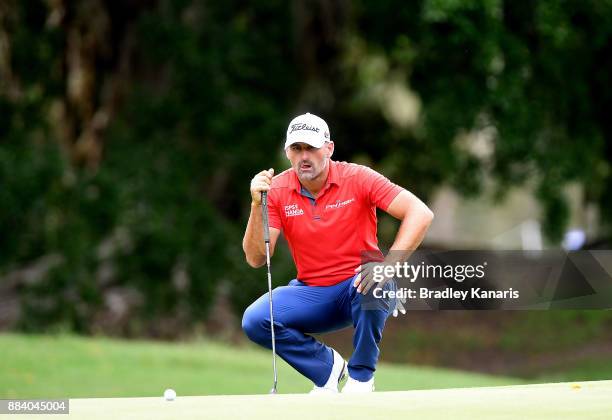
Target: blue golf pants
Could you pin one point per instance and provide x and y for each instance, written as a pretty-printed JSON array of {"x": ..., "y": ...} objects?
[{"x": 300, "y": 310}]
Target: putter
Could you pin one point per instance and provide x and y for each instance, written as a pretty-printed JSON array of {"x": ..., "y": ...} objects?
[{"x": 266, "y": 227}]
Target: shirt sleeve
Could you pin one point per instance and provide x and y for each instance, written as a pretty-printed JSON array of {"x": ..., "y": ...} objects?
[
  {"x": 274, "y": 219},
  {"x": 379, "y": 189}
]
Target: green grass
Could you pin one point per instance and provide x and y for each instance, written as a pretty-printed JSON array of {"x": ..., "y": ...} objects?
[
  {"x": 37, "y": 366},
  {"x": 594, "y": 369}
]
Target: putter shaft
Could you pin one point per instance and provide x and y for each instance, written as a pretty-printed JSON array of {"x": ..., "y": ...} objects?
[{"x": 266, "y": 227}]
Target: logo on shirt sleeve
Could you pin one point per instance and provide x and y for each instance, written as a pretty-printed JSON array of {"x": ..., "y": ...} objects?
[{"x": 293, "y": 210}]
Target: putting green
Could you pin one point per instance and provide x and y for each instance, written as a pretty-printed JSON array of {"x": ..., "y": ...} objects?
[{"x": 592, "y": 400}]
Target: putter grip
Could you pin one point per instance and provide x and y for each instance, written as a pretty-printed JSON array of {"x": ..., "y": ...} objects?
[{"x": 264, "y": 213}]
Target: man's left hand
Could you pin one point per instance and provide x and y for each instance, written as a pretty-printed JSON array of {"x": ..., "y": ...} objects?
[{"x": 369, "y": 275}]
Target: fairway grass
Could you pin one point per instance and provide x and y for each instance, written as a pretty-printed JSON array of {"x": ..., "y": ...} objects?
[
  {"x": 586, "y": 400},
  {"x": 40, "y": 366}
]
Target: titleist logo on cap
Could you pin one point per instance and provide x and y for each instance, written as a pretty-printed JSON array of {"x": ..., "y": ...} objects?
[{"x": 303, "y": 126}]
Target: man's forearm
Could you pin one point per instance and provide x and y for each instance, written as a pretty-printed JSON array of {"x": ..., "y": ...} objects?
[
  {"x": 411, "y": 232},
  {"x": 252, "y": 243}
]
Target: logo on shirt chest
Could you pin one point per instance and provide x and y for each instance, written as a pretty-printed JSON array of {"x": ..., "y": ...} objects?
[
  {"x": 292, "y": 210},
  {"x": 339, "y": 204}
]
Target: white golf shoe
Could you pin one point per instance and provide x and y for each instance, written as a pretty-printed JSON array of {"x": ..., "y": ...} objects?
[
  {"x": 354, "y": 386},
  {"x": 336, "y": 377}
]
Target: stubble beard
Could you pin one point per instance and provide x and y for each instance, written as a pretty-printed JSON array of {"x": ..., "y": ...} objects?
[{"x": 309, "y": 176}]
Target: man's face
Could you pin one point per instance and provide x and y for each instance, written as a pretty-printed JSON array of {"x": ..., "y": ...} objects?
[{"x": 309, "y": 162}]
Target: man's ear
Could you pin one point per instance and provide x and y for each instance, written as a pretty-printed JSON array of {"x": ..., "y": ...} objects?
[{"x": 330, "y": 149}]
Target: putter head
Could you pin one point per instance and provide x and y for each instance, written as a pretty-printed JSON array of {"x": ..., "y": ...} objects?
[{"x": 273, "y": 390}]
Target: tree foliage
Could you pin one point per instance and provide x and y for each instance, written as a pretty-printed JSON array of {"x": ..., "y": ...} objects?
[{"x": 129, "y": 132}]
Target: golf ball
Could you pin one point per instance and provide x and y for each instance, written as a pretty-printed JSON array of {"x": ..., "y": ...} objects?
[{"x": 169, "y": 395}]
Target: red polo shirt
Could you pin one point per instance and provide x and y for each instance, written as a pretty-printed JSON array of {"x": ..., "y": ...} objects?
[{"x": 327, "y": 236}]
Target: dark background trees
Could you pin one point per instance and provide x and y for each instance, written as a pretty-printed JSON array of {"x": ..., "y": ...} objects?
[{"x": 129, "y": 132}]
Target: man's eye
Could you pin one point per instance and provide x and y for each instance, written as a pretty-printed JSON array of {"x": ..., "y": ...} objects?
[{"x": 295, "y": 148}]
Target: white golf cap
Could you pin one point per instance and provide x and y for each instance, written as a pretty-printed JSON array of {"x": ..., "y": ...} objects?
[{"x": 307, "y": 128}]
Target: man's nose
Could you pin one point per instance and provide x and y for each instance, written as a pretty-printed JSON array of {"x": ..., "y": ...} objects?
[{"x": 304, "y": 154}]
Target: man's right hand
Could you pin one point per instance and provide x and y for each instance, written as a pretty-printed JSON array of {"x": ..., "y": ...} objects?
[{"x": 261, "y": 182}]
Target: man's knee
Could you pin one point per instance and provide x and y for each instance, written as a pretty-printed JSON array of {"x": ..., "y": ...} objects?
[{"x": 255, "y": 324}]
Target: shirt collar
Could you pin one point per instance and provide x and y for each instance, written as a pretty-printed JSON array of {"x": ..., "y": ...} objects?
[{"x": 332, "y": 178}]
